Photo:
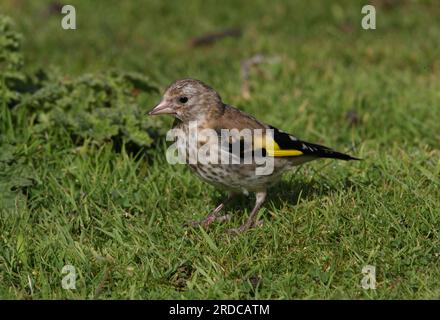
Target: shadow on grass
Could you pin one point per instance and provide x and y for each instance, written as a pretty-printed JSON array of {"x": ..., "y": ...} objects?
[{"x": 286, "y": 191}]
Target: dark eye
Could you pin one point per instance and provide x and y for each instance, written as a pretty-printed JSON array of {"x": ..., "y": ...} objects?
[{"x": 183, "y": 99}]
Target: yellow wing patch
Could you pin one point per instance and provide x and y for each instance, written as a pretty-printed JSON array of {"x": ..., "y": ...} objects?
[
  {"x": 273, "y": 149},
  {"x": 284, "y": 153}
]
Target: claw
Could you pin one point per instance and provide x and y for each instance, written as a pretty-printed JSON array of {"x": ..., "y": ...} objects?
[
  {"x": 235, "y": 231},
  {"x": 226, "y": 217},
  {"x": 193, "y": 223},
  {"x": 239, "y": 230},
  {"x": 208, "y": 220},
  {"x": 204, "y": 223},
  {"x": 245, "y": 227},
  {"x": 212, "y": 216}
]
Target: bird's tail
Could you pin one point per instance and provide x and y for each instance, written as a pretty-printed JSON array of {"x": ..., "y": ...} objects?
[
  {"x": 338, "y": 155},
  {"x": 325, "y": 152}
]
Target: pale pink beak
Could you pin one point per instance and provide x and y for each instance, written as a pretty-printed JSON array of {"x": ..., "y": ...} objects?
[{"x": 161, "y": 108}]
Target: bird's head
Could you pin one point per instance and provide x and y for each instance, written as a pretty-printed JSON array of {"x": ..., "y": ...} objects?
[{"x": 189, "y": 100}]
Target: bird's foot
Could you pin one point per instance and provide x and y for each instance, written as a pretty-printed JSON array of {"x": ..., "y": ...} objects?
[
  {"x": 225, "y": 217},
  {"x": 205, "y": 223},
  {"x": 245, "y": 227}
]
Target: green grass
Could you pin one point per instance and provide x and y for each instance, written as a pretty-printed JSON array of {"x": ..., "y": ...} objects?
[{"x": 118, "y": 217}]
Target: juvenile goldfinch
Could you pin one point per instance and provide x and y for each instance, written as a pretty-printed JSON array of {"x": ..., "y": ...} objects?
[{"x": 193, "y": 102}]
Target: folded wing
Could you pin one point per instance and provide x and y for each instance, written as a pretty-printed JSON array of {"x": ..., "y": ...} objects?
[{"x": 286, "y": 145}]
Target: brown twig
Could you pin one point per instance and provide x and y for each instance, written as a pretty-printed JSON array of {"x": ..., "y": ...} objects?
[{"x": 209, "y": 38}]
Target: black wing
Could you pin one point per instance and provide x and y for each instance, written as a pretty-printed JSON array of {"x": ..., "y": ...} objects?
[{"x": 288, "y": 142}]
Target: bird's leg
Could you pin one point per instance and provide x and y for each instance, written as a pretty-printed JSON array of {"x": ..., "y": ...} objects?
[
  {"x": 250, "y": 222},
  {"x": 214, "y": 214}
]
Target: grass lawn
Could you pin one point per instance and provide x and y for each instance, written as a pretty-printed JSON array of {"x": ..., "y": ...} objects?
[{"x": 117, "y": 214}]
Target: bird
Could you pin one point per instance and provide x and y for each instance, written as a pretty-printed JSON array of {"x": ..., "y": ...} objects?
[{"x": 193, "y": 103}]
